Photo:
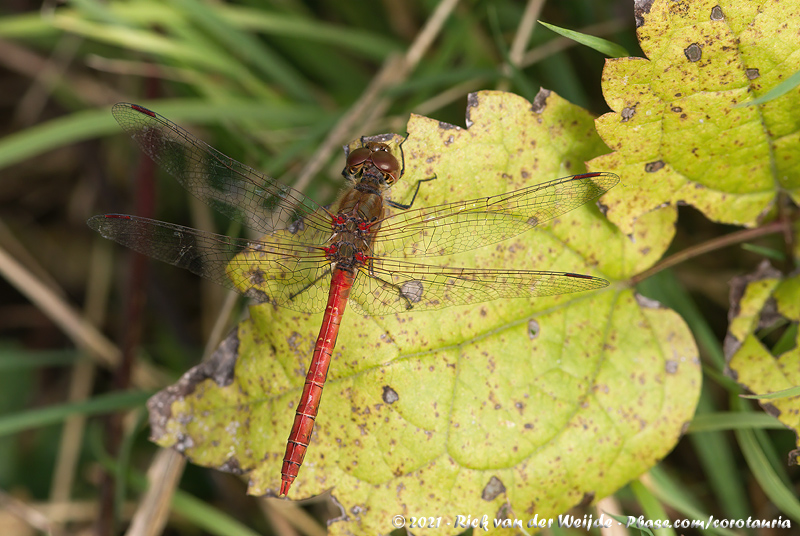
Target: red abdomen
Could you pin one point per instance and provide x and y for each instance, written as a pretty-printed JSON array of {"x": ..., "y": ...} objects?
[{"x": 306, "y": 413}]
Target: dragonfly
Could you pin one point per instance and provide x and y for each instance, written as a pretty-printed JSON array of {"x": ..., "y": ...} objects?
[{"x": 314, "y": 259}]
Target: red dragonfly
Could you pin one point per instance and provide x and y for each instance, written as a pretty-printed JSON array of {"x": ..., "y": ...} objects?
[{"x": 314, "y": 258}]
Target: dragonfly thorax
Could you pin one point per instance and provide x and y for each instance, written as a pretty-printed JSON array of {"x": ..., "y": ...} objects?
[
  {"x": 356, "y": 207},
  {"x": 354, "y": 227},
  {"x": 347, "y": 251}
]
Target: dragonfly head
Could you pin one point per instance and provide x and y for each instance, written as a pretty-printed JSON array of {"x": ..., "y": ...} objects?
[{"x": 376, "y": 155}]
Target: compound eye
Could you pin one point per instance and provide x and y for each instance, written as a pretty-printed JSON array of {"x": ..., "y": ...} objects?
[
  {"x": 386, "y": 163},
  {"x": 358, "y": 157}
]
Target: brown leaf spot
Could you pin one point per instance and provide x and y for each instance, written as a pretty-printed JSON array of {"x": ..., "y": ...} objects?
[
  {"x": 752, "y": 74},
  {"x": 647, "y": 303},
  {"x": 652, "y": 167},
  {"x": 693, "y": 52},
  {"x": 472, "y": 101},
  {"x": 256, "y": 277},
  {"x": 231, "y": 465},
  {"x": 183, "y": 442},
  {"x": 587, "y": 499},
  {"x": 540, "y": 101},
  {"x": 533, "y": 329},
  {"x": 771, "y": 410},
  {"x": 389, "y": 395},
  {"x": 504, "y": 512},
  {"x": 297, "y": 226},
  {"x": 627, "y": 113},
  {"x": 494, "y": 488},
  {"x": 258, "y": 296},
  {"x": 412, "y": 290},
  {"x": 641, "y": 8},
  {"x": 717, "y": 14}
]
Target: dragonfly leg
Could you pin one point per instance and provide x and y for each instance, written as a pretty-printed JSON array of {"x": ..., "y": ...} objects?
[
  {"x": 401, "y": 206},
  {"x": 305, "y": 288},
  {"x": 409, "y": 296}
]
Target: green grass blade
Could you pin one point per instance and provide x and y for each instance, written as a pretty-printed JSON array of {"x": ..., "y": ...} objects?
[
  {"x": 785, "y": 393},
  {"x": 25, "y": 26},
  {"x": 43, "y": 137},
  {"x": 781, "y": 89},
  {"x": 241, "y": 44},
  {"x": 14, "y": 358},
  {"x": 208, "y": 518},
  {"x": 769, "y": 253},
  {"x": 146, "y": 41},
  {"x": 677, "y": 496},
  {"x": 785, "y": 499},
  {"x": 599, "y": 44},
  {"x": 88, "y": 124},
  {"x": 720, "y": 421},
  {"x": 623, "y": 520},
  {"x": 650, "y": 506},
  {"x": 369, "y": 45},
  {"x": 35, "y": 418}
]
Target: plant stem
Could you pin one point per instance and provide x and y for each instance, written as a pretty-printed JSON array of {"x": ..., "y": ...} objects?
[{"x": 780, "y": 226}]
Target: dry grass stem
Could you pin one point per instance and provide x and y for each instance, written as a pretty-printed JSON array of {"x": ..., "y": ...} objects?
[
  {"x": 393, "y": 71},
  {"x": 153, "y": 511}
]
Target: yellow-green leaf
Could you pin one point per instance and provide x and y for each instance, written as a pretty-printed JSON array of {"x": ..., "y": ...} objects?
[
  {"x": 763, "y": 299},
  {"x": 676, "y": 132},
  {"x": 530, "y": 405}
]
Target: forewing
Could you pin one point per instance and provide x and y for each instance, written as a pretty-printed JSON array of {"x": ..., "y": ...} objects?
[
  {"x": 234, "y": 189},
  {"x": 390, "y": 286},
  {"x": 466, "y": 225},
  {"x": 278, "y": 271}
]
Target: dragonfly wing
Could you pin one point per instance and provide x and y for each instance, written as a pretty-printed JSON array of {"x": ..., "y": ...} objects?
[
  {"x": 466, "y": 225},
  {"x": 234, "y": 189},
  {"x": 279, "y": 272},
  {"x": 390, "y": 286}
]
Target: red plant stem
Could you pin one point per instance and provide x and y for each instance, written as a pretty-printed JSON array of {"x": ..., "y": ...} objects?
[{"x": 135, "y": 298}]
